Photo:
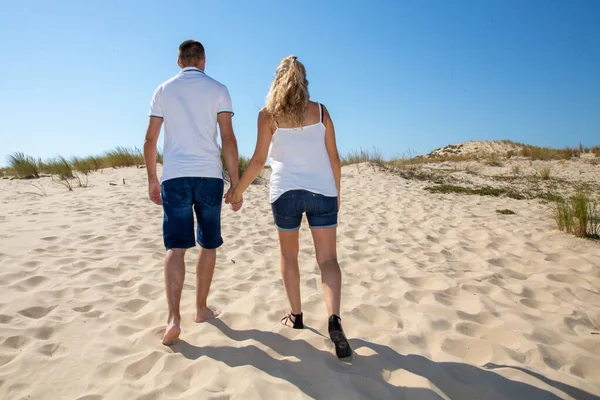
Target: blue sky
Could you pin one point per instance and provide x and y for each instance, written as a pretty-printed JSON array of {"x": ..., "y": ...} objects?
[{"x": 76, "y": 77}]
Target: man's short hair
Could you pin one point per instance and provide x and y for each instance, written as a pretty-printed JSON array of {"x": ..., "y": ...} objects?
[{"x": 191, "y": 52}]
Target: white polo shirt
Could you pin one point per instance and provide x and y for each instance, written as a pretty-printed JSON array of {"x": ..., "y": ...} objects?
[{"x": 189, "y": 104}]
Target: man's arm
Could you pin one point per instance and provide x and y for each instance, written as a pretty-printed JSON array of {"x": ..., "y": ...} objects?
[
  {"x": 150, "y": 143},
  {"x": 230, "y": 149}
]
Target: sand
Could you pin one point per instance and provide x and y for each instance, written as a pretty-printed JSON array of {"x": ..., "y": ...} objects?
[{"x": 442, "y": 299}]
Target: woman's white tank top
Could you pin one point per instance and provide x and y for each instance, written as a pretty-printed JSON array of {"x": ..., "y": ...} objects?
[{"x": 299, "y": 160}]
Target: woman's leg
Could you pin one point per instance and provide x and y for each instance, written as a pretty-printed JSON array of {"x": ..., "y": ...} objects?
[
  {"x": 331, "y": 277},
  {"x": 288, "y": 243}
]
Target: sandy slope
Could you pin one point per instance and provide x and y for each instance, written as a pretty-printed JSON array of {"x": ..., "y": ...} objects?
[{"x": 443, "y": 299}]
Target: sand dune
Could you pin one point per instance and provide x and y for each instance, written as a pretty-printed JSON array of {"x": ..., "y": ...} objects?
[{"x": 442, "y": 299}]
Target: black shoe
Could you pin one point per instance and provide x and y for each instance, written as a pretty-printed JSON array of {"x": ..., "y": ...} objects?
[
  {"x": 343, "y": 351},
  {"x": 296, "y": 320}
]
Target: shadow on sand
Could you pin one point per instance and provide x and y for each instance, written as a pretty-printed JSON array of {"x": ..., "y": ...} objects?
[{"x": 326, "y": 377}]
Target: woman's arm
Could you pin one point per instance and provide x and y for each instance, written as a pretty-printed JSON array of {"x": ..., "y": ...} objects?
[
  {"x": 259, "y": 158},
  {"x": 334, "y": 157}
]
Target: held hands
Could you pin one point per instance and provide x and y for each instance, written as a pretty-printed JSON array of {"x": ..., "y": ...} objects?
[
  {"x": 154, "y": 192},
  {"x": 235, "y": 199}
]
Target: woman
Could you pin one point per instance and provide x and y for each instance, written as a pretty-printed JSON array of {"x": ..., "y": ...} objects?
[{"x": 305, "y": 179}]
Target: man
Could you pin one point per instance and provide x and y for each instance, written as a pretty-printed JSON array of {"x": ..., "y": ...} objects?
[{"x": 190, "y": 104}]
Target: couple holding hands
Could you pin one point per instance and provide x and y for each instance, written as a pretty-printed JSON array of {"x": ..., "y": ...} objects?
[{"x": 296, "y": 134}]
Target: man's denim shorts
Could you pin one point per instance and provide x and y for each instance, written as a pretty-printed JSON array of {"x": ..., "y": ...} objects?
[
  {"x": 182, "y": 197},
  {"x": 321, "y": 211}
]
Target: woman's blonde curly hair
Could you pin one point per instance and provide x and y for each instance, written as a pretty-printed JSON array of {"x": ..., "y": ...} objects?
[{"x": 288, "y": 97}]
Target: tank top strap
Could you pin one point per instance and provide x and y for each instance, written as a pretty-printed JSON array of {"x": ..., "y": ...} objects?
[{"x": 321, "y": 112}]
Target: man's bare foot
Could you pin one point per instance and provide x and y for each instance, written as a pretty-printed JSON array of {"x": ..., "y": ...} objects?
[
  {"x": 171, "y": 334},
  {"x": 204, "y": 314}
]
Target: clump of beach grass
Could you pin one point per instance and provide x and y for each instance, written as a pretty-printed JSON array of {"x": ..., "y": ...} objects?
[
  {"x": 482, "y": 191},
  {"x": 544, "y": 153},
  {"x": 86, "y": 165},
  {"x": 506, "y": 212},
  {"x": 60, "y": 167},
  {"x": 593, "y": 161},
  {"x": 405, "y": 162},
  {"x": 578, "y": 215},
  {"x": 243, "y": 163},
  {"x": 516, "y": 170},
  {"x": 363, "y": 156},
  {"x": 479, "y": 191},
  {"x": 123, "y": 157},
  {"x": 495, "y": 162},
  {"x": 545, "y": 173},
  {"x": 472, "y": 169},
  {"x": 24, "y": 167}
]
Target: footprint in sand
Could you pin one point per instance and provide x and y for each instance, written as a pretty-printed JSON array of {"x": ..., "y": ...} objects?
[
  {"x": 5, "y": 359},
  {"x": 16, "y": 342},
  {"x": 83, "y": 309},
  {"x": 6, "y": 319},
  {"x": 52, "y": 350},
  {"x": 473, "y": 351},
  {"x": 134, "y": 305},
  {"x": 31, "y": 264},
  {"x": 36, "y": 312},
  {"x": 369, "y": 387},
  {"x": 469, "y": 329},
  {"x": 587, "y": 368},
  {"x": 43, "y": 333},
  {"x": 126, "y": 330},
  {"x": 416, "y": 296},
  {"x": 140, "y": 368},
  {"x": 34, "y": 281}
]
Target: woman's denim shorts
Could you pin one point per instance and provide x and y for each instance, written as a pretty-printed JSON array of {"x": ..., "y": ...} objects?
[{"x": 321, "y": 211}]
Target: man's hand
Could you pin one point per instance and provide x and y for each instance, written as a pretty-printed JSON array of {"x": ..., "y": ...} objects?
[
  {"x": 236, "y": 200},
  {"x": 154, "y": 192}
]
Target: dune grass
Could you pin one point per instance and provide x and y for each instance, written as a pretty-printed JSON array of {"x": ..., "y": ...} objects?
[
  {"x": 58, "y": 166},
  {"x": 479, "y": 191},
  {"x": 482, "y": 191},
  {"x": 506, "y": 212},
  {"x": 578, "y": 215},
  {"x": 473, "y": 169},
  {"x": 545, "y": 173},
  {"x": 546, "y": 153},
  {"x": 362, "y": 156},
  {"x": 122, "y": 157},
  {"x": 593, "y": 161},
  {"x": 86, "y": 165},
  {"x": 24, "y": 167},
  {"x": 243, "y": 163},
  {"x": 495, "y": 162}
]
